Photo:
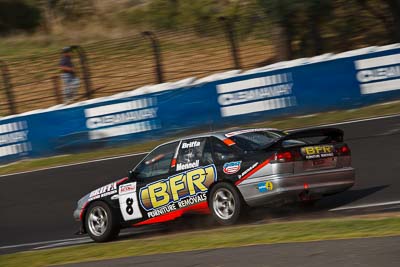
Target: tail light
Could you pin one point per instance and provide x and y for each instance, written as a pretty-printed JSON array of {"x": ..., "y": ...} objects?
[
  {"x": 344, "y": 151},
  {"x": 285, "y": 156}
]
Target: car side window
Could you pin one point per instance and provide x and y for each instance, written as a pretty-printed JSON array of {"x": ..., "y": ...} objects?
[
  {"x": 158, "y": 162},
  {"x": 193, "y": 153},
  {"x": 222, "y": 152},
  {"x": 207, "y": 153}
]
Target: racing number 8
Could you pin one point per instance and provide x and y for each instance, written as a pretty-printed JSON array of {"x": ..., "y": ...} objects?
[{"x": 129, "y": 208}]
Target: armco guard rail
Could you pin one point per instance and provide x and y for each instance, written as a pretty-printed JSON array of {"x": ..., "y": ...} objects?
[{"x": 302, "y": 86}]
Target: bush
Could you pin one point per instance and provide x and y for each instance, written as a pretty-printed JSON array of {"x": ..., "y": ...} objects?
[{"x": 17, "y": 15}]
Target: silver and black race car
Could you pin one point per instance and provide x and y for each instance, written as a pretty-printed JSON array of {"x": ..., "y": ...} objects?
[{"x": 220, "y": 173}]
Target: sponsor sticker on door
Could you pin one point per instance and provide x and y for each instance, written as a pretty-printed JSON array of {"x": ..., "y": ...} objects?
[
  {"x": 232, "y": 167},
  {"x": 177, "y": 191},
  {"x": 265, "y": 187},
  {"x": 128, "y": 202}
]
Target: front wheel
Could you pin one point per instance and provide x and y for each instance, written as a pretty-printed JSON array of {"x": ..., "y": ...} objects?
[
  {"x": 101, "y": 223},
  {"x": 225, "y": 203}
]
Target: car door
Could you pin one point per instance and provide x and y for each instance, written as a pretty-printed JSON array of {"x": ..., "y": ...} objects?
[
  {"x": 135, "y": 198},
  {"x": 193, "y": 153},
  {"x": 193, "y": 173}
]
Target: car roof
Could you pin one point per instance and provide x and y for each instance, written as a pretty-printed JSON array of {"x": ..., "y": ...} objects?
[{"x": 223, "y": 134}]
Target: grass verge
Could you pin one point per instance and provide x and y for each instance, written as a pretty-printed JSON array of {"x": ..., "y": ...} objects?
[
  {"x": 285, "y": 123},
  {"x": 300, "y": 231}
]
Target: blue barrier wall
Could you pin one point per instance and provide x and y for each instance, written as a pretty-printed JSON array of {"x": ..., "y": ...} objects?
[{"x": 327, "y": 82}]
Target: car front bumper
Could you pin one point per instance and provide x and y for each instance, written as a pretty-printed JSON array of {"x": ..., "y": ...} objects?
[
  {"x": 291, "y": 187},
  {"x": 77, "y": 214}
]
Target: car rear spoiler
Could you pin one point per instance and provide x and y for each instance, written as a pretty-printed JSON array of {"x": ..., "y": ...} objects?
[{"x": 331, "y": 134}]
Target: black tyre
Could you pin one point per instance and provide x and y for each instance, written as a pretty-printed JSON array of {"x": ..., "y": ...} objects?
[
  {"x": 101, "y": 222},
  {"x": 225, "y": 203}
]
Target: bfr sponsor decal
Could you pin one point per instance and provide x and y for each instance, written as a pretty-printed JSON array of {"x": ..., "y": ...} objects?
[
  {"x": 315, "y": 152},
  {"x": 122, "y": 118},
  {"x": 255, "y": 95},
  {"x": 232, "y": 167},
  {"x": 128, "y": 202},
  {"x": 378, "y": 74},
  {"x": 177, "y": 191}
]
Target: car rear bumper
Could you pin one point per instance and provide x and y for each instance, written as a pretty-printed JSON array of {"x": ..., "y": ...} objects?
[{"x": 291, "y": 187}]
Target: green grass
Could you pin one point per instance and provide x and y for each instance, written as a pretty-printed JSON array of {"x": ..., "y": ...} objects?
[
  {"x": 300, "y": 231},
  {"x": 283, "y": 123}
]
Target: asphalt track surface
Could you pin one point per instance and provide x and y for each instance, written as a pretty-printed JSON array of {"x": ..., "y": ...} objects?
[
  {"x": 36, "y": 207},
  {"x": 383, "y": 252}
]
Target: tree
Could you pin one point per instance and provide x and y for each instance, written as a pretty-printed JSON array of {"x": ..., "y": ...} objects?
[
  {"x": 317, "y": 12},
  {"x": 18, "y": 15},
  {"x": 284, "y": 14},
  {"x": 394, "y": 10},
  {"x": 388, "y": 14},
  {"x": 163, "y": 13}
]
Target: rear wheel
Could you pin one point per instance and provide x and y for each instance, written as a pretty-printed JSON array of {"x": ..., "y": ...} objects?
[
  {"x": 225, "y": 203},
  {"x": 101, "y": 223}
]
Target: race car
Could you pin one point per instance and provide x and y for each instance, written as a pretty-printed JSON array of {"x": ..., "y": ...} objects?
[{"x": 221, "y": 173}]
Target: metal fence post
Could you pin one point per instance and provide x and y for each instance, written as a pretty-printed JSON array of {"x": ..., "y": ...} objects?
[
  {"x": 85, "y": 70},
  {"x": 157, "y": 55},
  {"x": 56, "y": 89},
  {"x": 230, "y": 35},
  {"x": 8, "y": 87}
]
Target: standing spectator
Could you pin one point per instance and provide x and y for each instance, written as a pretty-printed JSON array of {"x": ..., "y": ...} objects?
[{"x": 71, "y": 82}]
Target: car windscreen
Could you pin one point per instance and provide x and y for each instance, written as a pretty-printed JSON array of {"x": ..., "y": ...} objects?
[{"x": 253, "y": 141}]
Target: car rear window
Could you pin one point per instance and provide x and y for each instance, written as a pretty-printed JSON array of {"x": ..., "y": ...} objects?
[{"x": 253, "y": 141}]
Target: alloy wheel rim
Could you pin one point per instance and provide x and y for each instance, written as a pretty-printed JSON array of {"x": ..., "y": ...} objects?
[
  {"x": 98, "y": 221},
  {"x": 224, "y": 204}
]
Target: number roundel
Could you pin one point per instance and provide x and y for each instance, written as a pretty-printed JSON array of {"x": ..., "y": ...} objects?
[{"x": 129, "y": 208}]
